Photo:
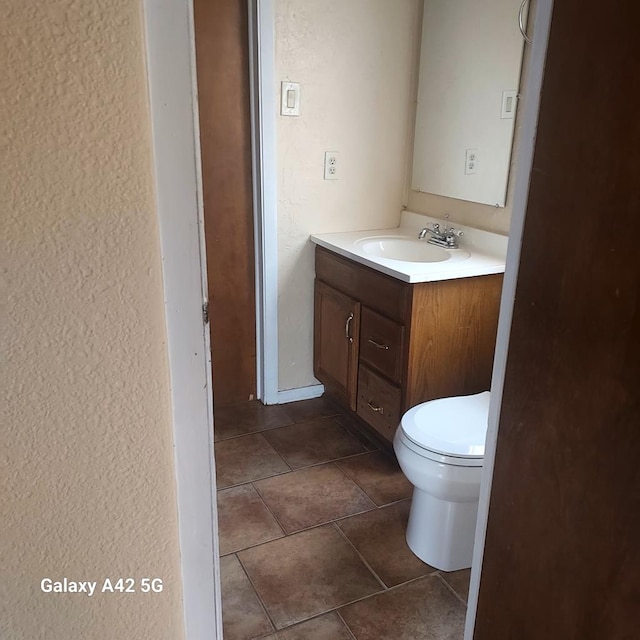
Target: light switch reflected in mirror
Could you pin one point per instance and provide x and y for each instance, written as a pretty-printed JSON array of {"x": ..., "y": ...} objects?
[{"x": 470, "y": 60}]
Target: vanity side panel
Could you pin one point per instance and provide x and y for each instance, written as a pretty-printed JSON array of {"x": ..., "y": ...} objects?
[{"x": 452, "y": 338}]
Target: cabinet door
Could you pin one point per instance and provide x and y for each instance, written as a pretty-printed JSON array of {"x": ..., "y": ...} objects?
[{"x": 335, "y": 344}]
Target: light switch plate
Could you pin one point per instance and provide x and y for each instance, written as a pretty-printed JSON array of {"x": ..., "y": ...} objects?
[
  {"x": 290, "y": 99},
  {"x": 509, "y": 105}
]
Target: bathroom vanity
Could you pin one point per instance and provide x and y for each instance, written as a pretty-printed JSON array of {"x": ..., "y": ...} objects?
[{"x": 390, "y": 333}]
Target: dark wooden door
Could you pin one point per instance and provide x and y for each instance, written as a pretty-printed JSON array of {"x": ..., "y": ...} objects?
[
  {"x": 221, "y": 30},
  {"x": 562, "y": 548},
  {"x": 336, "y": 339}
]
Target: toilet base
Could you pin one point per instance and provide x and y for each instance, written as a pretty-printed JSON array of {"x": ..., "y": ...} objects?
[{"x": 441, "y": 533}]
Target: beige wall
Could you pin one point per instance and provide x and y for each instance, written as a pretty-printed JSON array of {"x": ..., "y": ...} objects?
[
  {"x": 89, "y": 473},
  {"x": 355, "y": 62}
]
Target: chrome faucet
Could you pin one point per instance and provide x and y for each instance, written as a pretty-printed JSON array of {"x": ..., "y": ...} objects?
[{"x": 446, "y": 237}]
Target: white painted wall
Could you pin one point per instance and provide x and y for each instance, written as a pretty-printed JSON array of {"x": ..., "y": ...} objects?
[{"x": 356, "y": 64}]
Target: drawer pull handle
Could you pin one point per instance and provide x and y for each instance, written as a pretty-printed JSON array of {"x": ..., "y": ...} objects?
[
  {"x": 375, "y": 408},
  {"x": 379, "y": 345},
  {"x": 347, "y": 328}
]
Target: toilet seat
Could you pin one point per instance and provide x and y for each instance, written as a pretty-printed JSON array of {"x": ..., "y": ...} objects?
[{"x": 448, "y": 430}]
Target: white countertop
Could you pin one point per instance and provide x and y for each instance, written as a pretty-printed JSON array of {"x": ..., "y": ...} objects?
[{"x": 480, "y": 252}]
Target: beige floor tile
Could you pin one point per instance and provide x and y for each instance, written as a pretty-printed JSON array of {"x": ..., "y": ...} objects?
[
  {"x": 379, "y": 476},
  {"x": 354, "y": 428},
  {"x": 247, "y": 417},
  {"x": 313, "y": 442},
  {"x": 243, "y": 617},
  {"x": 379, "y": 536},
  {"x": 305, "y": 410},
  {"x": 246, "y": 458},
  {"x": 306, "y": 574},
  {"x": 312, "y": 496},
  {"x": 244, "y": 520},
  {"x": 326, "y": 627},
  {"x": 421, "y": 610},
  {"x": 459, "y": 581}
]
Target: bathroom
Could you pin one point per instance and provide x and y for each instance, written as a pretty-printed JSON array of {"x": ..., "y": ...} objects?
[{"x": 357, "y": 68}]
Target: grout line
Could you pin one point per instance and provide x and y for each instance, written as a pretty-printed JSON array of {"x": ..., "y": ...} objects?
[
  {"x": 277, "y": 452},
  {"x": 331, "y": 460},
  {"x": 346, "y": 626},
  {"x": 240, "y": 484},
  {"x": 275, "y": 517},
  {"x": 358, "y": 435},
  {"x": 255, "y": 590},
  {"x": 332, "y": 521},
  {"x": 253, "y": 433},
  {"x": 373, "y": 595},
  {"x": 286, "y": 533},
  {"x": 455, "y": 593},
  {"x": 348, "y": 432},
  {"x": 377, "y": 577}
]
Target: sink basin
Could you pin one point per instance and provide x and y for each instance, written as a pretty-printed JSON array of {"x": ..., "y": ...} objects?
[{"x": 408, "y": 249}]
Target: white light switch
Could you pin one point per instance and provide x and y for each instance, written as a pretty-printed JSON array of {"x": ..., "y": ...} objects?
[
  {"x": 290, "y": 99},
  {"x": 509, "y": 99}
]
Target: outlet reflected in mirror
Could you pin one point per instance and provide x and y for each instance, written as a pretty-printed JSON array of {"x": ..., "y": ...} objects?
[{"x": 470, "y": 59}]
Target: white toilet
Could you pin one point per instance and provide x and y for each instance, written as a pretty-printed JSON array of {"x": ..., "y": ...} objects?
[{"x": 440, "y": 448}]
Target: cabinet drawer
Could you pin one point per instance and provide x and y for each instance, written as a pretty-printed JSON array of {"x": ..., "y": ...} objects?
[
  {"x": 373, "y": 289},
  {"x": 378, "y": 403},
  {"x": 381, "y": 344}
]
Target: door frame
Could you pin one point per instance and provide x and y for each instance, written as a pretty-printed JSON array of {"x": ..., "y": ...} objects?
[
  {"x": 173, "y": 105},
  {"x": 524, "y": 162},
  {"x": 265, "y": 199},
  {"x": 171, "y": 73},
  {"x": 264, "y": 111}
]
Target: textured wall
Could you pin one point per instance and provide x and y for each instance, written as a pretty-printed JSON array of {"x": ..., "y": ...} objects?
[
  {"x": 355, "y": 63},
  {"x": 89, "y": 488}
]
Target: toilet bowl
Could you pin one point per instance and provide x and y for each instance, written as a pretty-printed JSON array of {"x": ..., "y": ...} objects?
[{"x": 440, "y": 449}]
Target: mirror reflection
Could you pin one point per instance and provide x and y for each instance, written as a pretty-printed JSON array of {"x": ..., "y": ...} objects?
[{"x": 470, "y": 60}]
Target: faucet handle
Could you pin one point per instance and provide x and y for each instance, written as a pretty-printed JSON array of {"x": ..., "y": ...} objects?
[{"x": 452, "y": 231}]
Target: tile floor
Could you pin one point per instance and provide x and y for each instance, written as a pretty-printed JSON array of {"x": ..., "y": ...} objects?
[{"x": 312, "y": 519}]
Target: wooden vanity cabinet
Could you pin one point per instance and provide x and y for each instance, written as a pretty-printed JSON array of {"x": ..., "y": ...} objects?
[{"x": 382, "y": 345}]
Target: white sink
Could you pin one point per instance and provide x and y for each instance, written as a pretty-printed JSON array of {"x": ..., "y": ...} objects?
[
  {"x": 408, "y": 249},
  {"x": 398, "y": 253}
]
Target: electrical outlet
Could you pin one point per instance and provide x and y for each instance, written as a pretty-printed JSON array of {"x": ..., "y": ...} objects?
[
  {"x": 471, "y": 161},
  {"x": 331, "y": 165}
]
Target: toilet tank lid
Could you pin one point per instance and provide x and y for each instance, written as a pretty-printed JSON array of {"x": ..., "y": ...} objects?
[{"x": 450, "y": 426}]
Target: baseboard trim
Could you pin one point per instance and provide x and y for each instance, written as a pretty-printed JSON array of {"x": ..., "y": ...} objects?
[{"x": 302, "y": 393}]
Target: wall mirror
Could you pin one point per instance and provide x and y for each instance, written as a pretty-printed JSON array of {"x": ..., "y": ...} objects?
[{"x": 470, "y": 60}]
